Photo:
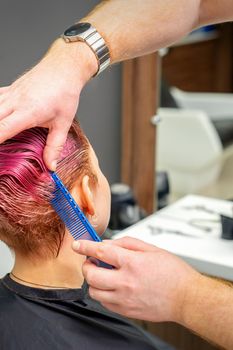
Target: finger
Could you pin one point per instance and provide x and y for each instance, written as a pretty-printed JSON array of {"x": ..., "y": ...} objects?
[
  {"x": 113, "y": 307},
  {"x": 99, "y": 278},
  {"x": 13, "y": 124},
  {"x": 107, "y": 253},
  {"x": 133, "y": 244},
  {"x": 102, "y": 296},
  {"x": 4, "y": 89},
  {"x": 54, "y": 145},
  {"x": 5, "y": 110},
  {"x": 3, "y": 98}
]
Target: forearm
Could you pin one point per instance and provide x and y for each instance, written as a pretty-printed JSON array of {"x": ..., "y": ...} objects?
[
  {"x": 215, "y": 11},
  {"x": 208, "y": 311},
  {"x": 130, "y": 28},
  {"x": 133, "y": 28}
]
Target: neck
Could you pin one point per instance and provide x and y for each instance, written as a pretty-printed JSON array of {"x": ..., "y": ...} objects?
[{"x": 64, "y": 271}]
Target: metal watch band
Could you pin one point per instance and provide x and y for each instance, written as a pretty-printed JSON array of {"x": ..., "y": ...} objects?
[{"x": 97, "y": 44}]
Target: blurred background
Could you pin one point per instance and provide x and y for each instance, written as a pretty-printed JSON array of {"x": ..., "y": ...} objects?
[{"x": 195, "y": 137}]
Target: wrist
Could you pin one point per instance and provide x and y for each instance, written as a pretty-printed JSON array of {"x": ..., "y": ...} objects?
[
  {"x": 76, "y": 58},
  {"x": 183, "y": 294},
  {"x": 192, "y": 299}
]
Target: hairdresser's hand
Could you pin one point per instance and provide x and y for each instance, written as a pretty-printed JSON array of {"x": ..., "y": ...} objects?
[
  {"x": 148, "y": 283},
  {"x": 48, "y": 96}
]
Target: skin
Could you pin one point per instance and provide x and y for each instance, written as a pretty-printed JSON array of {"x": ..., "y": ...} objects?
[
  {"x": 151, "y": 284},
  {"x": 138, "y": 28},
  {"x": 66, "y": 269}
]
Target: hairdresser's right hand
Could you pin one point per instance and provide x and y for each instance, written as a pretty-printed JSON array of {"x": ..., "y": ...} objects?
[
  {"x": 48, "y": 96},
  {"x": 147, "y": 283}
]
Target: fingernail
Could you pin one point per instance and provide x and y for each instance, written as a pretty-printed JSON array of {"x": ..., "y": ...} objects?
[
  {"x": 76, "y": 245},
  {"x": 53, "y": 165},
  {"x": 94, "y": 261}
]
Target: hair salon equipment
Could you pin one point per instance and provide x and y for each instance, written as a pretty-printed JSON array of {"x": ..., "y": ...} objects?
[
  {"x": 72, "y": 216},
  {"x": 124, "y": 208},
  {"x": 227, "y": 227},
  {"x": 163, "y": 189},
  {"x": 201, "y": 208},
  {"x": 206, "y": 225},
  {"x": 156, "y": 230}
]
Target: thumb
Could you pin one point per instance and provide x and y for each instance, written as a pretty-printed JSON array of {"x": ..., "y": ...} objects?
[{"x": 54, "y": 145}]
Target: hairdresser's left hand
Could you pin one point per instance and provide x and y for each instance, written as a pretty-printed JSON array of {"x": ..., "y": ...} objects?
[
  {"x": 147, "y": 283},
  {"x": 48, "y": 96}
]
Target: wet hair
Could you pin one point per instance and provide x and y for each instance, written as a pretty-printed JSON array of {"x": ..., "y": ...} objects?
[{"x": 28, "y": 223}]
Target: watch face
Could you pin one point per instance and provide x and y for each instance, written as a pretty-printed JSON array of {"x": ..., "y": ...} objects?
[{"x": 77, "y": 29}]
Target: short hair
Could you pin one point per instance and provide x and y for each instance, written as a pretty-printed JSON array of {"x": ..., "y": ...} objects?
[{"x": 28, "y": 223}]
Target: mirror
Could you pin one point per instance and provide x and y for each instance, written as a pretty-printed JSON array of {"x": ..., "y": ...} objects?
[{"x": 195, "y": 137}]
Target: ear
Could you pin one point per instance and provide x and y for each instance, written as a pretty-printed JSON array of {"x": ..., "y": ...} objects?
[{"x": 83, "y": 195}]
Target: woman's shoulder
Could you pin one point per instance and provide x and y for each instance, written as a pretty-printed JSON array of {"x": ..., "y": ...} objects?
[
  {"x": 7, "y": 301},
  {"x": 5, "y": 293}
]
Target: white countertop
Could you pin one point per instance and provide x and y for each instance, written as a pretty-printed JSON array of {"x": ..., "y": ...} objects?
[{"x": 191, "y": 229}]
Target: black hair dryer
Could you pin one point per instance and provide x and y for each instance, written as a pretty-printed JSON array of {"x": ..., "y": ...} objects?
[
  {"x": 124, "y": 208},
  {"x": 227, "y": 227}
]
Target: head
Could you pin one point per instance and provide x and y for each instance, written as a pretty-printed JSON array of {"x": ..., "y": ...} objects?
[{"x": 28, "y": 223}]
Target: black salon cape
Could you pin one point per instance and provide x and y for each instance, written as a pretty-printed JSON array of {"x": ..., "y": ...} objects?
[{"x": 39, "y": 319}]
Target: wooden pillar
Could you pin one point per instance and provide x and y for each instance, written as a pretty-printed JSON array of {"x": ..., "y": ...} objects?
[
  {"x": 139, "y": 102},
  {"x": 224, "y": 54}
]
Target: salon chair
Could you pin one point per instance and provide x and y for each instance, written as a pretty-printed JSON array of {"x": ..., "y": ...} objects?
[{"x": 195, "y": 137}]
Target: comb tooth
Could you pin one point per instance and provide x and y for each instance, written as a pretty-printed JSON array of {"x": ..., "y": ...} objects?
[
  {"x": 65, "y": 211},
  {"x": 76, "y": 236},
  {"x": 78, "y": 232},
  {"x": 82, "y": 236},
  {"x": 76, "y": 229},
  {"x": 69, "y": 212}
]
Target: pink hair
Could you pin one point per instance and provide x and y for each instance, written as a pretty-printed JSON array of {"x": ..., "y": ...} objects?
[{"x": 28, "y": 223}]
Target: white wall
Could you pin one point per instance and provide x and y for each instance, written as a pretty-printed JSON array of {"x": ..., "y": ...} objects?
[{"x": 6, "y": 260}]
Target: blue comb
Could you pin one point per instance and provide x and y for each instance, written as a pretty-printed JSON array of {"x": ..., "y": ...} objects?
[{"x": 72, "y": 216}]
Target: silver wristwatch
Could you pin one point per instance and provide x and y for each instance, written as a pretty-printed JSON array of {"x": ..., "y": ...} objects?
[{"x": 87, "y": 33}]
